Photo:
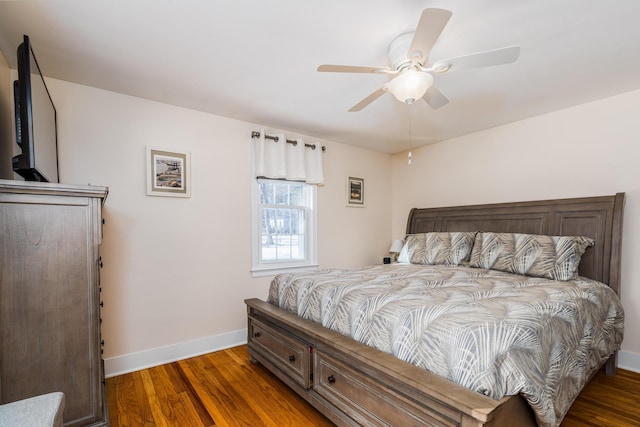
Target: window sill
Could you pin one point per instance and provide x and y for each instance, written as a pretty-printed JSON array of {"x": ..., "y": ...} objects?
[{"x": 272, "y": 271}]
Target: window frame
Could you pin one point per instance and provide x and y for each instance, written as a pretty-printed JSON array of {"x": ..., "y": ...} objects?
[{"x": 262, "y": 268}]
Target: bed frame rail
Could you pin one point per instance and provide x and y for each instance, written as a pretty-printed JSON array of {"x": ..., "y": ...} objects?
[{"x": 372, "y": 387}]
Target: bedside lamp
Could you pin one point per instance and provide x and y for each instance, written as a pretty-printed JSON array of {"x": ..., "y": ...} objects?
[{"x": 395, "y": 248}]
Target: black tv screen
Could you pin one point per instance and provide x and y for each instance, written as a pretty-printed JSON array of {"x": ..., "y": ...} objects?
[{"x": 36, "y": 127}]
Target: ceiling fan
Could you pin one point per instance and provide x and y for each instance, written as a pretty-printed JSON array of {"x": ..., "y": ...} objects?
[{"x": 410, "y": 71}]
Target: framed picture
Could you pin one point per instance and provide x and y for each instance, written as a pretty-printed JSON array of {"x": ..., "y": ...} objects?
[
  {"x": 168, "y": 172},
  {"x": 355, "y": 191}
]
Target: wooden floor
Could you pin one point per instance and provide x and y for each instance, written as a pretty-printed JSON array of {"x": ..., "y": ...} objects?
[{"x": 224, "y": 389}]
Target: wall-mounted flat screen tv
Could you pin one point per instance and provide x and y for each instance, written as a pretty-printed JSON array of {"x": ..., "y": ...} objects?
[{"x": 35, "y": 117}]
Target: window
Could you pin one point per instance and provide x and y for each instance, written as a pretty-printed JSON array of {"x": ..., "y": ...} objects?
[{"x": 284, "y": 219}]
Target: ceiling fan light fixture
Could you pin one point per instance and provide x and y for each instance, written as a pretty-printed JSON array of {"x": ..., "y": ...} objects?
[{"x": 410, "y": 85}]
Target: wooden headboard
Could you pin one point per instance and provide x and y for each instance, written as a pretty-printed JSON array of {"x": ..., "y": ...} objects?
[{"x": 599, "y": 218}]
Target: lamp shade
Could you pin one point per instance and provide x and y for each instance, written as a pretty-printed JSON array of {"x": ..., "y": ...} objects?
[
  {"x": 396, "y": 246},
  {"x": 410, "y": 85}
]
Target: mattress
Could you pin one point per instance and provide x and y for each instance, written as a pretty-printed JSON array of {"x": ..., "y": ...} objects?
[{"x": 493, "y": 332}]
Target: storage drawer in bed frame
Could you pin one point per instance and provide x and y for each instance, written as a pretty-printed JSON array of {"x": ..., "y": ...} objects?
[
  {"x": 355, "y": 394},
  {"x": 287, "y": 352}
]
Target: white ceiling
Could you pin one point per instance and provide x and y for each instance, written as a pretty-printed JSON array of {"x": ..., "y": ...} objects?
[{"x": 256, "y": 60}]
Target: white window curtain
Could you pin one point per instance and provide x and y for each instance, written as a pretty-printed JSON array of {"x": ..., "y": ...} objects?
[{"x": 294, "y": 162}]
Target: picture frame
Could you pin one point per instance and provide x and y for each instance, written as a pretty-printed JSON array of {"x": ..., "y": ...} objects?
[
  {"x": 168, "y": 172},
  {"x": 355, "y": 192}
]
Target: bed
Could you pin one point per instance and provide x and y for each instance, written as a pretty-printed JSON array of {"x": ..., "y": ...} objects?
[{"x": 357, "y": 384}]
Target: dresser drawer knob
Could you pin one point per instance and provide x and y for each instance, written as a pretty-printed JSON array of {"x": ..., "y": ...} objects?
[
  {"x": 292, "y": 358},
  {"x": 257, "y": 334},
  {"x": 331, "y": 379}
]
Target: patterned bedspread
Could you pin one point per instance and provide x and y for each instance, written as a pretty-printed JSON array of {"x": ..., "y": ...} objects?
[{"x": 497, "y": 333}]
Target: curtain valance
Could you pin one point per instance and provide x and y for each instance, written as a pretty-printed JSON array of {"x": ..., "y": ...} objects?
[{"x": 276, "y": 159}]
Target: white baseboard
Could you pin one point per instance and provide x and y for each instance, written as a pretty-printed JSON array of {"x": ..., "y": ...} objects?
[
  {"x": 158, "y": 356},
  {"x": 629, "y": 361}
]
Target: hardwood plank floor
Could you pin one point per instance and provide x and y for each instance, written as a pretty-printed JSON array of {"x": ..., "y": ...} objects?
[
  {"x": 225, "y": 389},
  {"x": 607, "y": 402},
  {"x": 215, "y": 389}
]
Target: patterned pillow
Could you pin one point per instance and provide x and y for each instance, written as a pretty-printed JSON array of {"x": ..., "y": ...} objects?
[
  {"x": 553, "y": 257},
  {"x": 437, "y": 248}
]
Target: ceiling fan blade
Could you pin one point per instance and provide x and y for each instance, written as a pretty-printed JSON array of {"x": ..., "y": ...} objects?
[
  {"x": 435, "y": 98},
  {"x": 505, "y": 55},
  {"x": 368, "y": 100},
  {"x": 432, "y": 22},
  {"x": 352, "y": 69}
]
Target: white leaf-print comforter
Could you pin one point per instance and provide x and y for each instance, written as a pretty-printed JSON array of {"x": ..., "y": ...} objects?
[{"x": 497, "y": 333}]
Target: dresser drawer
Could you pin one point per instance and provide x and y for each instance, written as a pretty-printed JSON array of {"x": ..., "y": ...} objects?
[
  {"x": 369, "y": 402},
  {"x": 288, "y": 353}
]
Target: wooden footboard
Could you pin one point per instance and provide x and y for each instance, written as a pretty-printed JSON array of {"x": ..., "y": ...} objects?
[{"x": 353, "y": 384}]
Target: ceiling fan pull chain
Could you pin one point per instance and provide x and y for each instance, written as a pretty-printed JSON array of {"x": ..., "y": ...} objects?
[{"x": 410, "y": 136}]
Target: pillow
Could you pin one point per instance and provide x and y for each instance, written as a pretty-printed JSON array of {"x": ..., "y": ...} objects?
[
  {"x": 553, "y": 257},
  {"x": 437, "y": 248}
]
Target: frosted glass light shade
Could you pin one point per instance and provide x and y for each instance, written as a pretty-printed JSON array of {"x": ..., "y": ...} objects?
[{"x": 410, "y": 85}]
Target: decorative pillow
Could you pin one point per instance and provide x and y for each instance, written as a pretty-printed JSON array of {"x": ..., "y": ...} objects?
[
  {"x": 411, "y": 243},
  {"x": 553, "y": 257},
  {"x": 437, "y": 248}
]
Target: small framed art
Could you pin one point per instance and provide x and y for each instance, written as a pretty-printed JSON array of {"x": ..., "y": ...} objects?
[
  {"x": 168, "y": 172},
  {"x": 355, "y": 191}
]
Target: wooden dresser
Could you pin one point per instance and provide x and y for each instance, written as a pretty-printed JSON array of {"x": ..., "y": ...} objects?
[{"x": 50, "y": 296}]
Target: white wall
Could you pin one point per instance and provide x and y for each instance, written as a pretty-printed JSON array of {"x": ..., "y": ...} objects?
[
  {"x": 589, "y": 150},
  {"x": 176, "y": 271},
  {"x": 171, "y": 290},
  {"x": 353, "y": 236},
  {"x": 6, "y": 123}
]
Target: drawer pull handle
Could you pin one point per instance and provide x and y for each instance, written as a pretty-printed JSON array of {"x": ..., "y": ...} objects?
[
  {"x": 331, "y": 379},
  {"x": 257, "y": 334},
  {"x": 292, "y": 358}
]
